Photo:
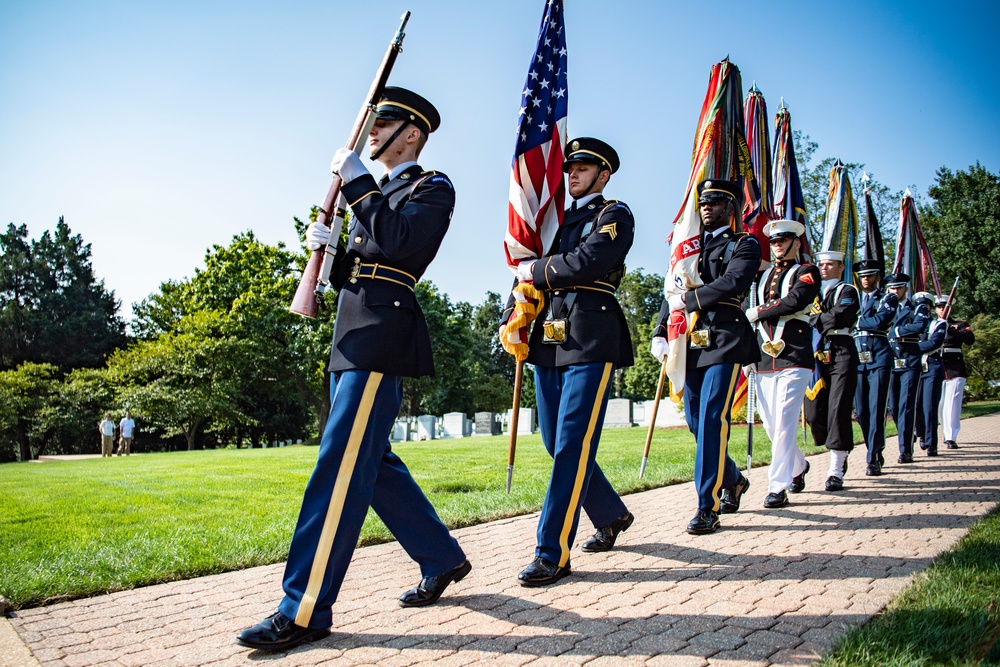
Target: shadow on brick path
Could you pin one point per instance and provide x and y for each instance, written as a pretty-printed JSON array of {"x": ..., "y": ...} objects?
[{"x": 770, "y": 587}]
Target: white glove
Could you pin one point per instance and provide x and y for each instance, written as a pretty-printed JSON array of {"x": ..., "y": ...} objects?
[
  {"x": 675, "y": 302},
  {"x": 658, "y": 348},
  {"x": 524, "y": 272},
  {"x": 347, "y": 164},
  {"x": 752, "y": 314},
  {"x": 749, "y": 368},
  {"x": 317, "y": 236}
]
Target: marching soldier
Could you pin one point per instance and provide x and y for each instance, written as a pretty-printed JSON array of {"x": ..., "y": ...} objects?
[
  {"x": 931, "y": 377},
  {"x": 959, "y": 333},
  {"x": 878, "y": 310},
  {"x": 380, "y": 336},
  {"x": 575, "y": 350},
  {"x": 786, "y": 292},
  {"x": 717, "y": 348},
  {"x": 904, "y": 336},
  {"x": 829, "y": 413}
]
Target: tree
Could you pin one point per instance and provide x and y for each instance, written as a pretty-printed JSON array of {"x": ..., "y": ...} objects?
[
  {"x": 65, "y": 424},
  {"x": 491, "y": 368},
  {"x": 181, "y": 380},
  {"x": 24, "y": 391},
  {"x": 52, "y": 307},
  {"x": 962, "y": 228},
  {"x": 641, "y": 296}
]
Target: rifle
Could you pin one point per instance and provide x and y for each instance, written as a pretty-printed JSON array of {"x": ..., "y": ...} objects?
[
  {"x": 323, "y": 261},
  {"x": 951, "y": 300}
]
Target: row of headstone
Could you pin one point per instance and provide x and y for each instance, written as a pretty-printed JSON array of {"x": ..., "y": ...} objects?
[{"x": 621, "y": 413}]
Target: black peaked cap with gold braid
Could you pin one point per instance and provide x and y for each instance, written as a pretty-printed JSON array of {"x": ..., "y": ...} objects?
[
  {"x": 715, "y": 189},
  {"x": 594, "y": 151},
  {"x": 402, "y": 104}
]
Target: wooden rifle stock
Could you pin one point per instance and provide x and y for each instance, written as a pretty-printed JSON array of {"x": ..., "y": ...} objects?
[
  {"x": 322, "y": 262},
  {"x": 951, "y": 300}
]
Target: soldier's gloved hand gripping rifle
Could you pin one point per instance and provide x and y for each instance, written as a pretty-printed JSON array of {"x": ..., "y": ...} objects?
[{"x": 322, "y": 262}]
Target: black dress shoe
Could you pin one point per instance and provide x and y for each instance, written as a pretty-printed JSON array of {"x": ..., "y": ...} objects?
[
  {"x": 278, "y": 633},
  {"x": 873, "y": 470},
  {"x": 776, "y": 500},
  {"x": 704, "y": 522},
  {"x": 932, "y": 451},
  {"x": 951, "y": 444},
  {"x": 905, "y": 458},
  {"x": 834, "y": 483},
  {"x": 799, "y": 481},
  {"x": 605, "y": 537},
  {"x": 881, "y": 460},
  {"x": 542, "y": 572},
  {"x": 431, "y": 588},
  {"x": 730, "y": 501}
]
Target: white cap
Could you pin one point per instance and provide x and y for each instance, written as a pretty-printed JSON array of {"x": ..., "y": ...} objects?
[
  {"x": 784, "y": 227},
  {"x": 832, "y": 255}
]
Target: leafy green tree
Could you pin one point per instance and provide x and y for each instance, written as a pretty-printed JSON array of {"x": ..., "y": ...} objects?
[
  {"x": 490, "y": 366},
  {"x": 641, "y": 379},
  {"x": 983, "y": 358},
  {"x": 52, "y": 307},
  {"x": 65, "y": 424},
  {"x": 640, "y": 295},
  {"x": 962, "y": 228},
  {"x": 24, "y": 392},
  {"x": 181, "y": 380}
]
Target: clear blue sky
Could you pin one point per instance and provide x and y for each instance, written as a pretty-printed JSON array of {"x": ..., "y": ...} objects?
[{"x": 161, "y": 128}]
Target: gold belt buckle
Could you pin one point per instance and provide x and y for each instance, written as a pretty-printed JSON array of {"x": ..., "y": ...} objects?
[
  {"x": 865, "y": 356},
  {"x": 899, "y": 363},
  {"x": 824, "y": 356},
  {"x": 554, "y": 331},
  {"x": 700, "y": 339}
]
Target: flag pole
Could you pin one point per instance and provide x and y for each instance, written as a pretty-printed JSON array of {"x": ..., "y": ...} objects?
[
  {"x": 514, "y": 414},
  {"x": 652, "y": 419}
]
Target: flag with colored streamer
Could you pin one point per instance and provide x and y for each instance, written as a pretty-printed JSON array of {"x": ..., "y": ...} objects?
[
  {"x": 913, "y": 257},
  {"x": 840, "y": 230},
  {"x": 720, "y": 151},
  {"x": 537, "y": 191},
  {"x": 789, "y": 200},
  {"x": 874, "y": 247}
]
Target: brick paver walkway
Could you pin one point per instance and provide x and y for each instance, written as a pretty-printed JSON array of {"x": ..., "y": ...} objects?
[{"x": 770, "y": 587}]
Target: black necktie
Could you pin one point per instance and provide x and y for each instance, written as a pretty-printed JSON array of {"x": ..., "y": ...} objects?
[
  {"x": 382, "y": 181},
  {"x": 573, "y": 206}
]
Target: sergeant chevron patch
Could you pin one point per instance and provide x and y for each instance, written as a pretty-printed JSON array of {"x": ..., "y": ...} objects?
[{"x": 610, "y": 229}]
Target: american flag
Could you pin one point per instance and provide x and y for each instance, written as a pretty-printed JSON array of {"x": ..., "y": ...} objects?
[{"x": 537, "y": 191}]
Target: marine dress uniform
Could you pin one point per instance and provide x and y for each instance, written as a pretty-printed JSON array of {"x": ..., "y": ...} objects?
[
  {"x": 931, "y": 378},
  {"x": 878, "y": 310},
  {"x": 380, "y": 336},
  {"x": 959, "y": 333},
  {"x": 785, "y": 292},
  {"x": 717, "y": 348},
  {"x": 575, "y": 347},
  {"x": 904, "y": 336},
  {"x": 829, "y": 413}
]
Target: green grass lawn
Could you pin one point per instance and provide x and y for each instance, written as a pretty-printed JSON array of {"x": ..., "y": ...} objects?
[
  {"x": 949, "y": 615},
  {"x": 70, "y": 529}
]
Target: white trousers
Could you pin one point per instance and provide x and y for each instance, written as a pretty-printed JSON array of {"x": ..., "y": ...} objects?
[
  {"x": 952, "y": 393},
  {"x": 779, "y": 400}
]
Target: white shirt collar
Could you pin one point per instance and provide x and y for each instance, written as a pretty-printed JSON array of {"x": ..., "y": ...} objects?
[
  {"x": 712, "y": 234},
  {"x": 586, "y": 199},
  {"x": 400, "y": 168}
]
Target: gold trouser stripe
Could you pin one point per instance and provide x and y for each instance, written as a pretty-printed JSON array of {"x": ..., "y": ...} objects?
[
  {"x": 336, "y": 507},
  {"x": 581, "y": 468},
  {"x": 724, "y": 438}
]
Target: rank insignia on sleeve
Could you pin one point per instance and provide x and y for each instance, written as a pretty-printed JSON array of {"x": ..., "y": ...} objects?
[
  {"x": 807, "y": 279},
  {"x": 610, "y": 229}
]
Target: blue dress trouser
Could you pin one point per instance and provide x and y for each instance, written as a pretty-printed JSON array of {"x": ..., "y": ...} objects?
[
  {"x": 928, "y": 401},
  {"x": 903, "y": 405},
  {"x": 708, "y": 404},
  {"x": 356, "y": 469},
  {"x": 572, "y": 401},
  {"x": 870, "y": 399}
]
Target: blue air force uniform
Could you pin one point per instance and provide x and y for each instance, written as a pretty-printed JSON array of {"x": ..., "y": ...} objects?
[
  {"x": 379, "y": 337},
  {"x": 728, "y": 265},
  {"x": 904, "y": 335},
  {"x": 931, "y": 380},
  {"x": 878, "y": 310},
  {"x": 574, "y": 376}
]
